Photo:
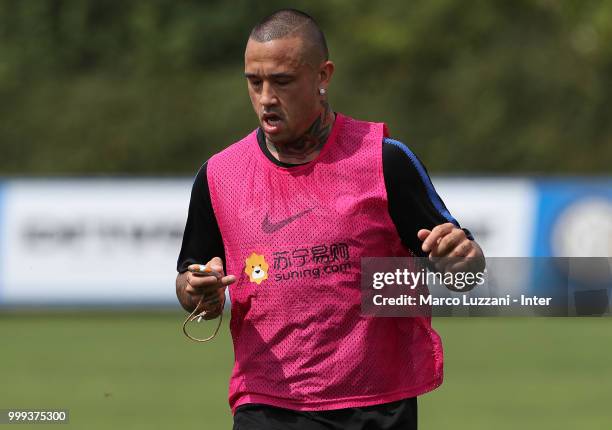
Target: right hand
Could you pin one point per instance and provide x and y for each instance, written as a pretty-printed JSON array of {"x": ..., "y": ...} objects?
[{"x": 209, "y": 288}]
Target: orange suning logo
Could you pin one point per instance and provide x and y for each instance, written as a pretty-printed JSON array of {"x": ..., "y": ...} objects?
[{"x": 256, "y": 268}]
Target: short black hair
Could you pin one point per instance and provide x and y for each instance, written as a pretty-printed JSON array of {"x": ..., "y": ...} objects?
[{"x": 288, "y": 22}]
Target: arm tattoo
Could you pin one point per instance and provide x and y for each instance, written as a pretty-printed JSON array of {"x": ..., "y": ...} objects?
[{"x": 301, "y": 150}]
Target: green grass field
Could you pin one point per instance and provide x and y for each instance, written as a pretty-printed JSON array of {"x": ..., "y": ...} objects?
[{"x": 125, "y": 370}]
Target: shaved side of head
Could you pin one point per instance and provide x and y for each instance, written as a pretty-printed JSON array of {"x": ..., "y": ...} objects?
[{"x": 287, "y": 23}]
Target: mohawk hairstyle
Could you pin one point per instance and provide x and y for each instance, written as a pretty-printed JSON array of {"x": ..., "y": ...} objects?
[{"x": 291, "y": 22}]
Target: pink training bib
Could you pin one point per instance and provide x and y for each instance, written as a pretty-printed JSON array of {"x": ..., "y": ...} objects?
[{"x": 294, "y": 238}]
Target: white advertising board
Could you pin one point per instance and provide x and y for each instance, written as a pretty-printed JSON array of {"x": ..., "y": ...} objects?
[
  {"x": 91, "y": 241},
  {"x": 500, "y": 213}
]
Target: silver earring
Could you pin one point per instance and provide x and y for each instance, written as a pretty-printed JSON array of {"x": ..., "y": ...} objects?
[{"x": 322, "y": 91}]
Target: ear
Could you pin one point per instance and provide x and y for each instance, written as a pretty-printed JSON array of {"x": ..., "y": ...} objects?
[{"x": 326, "y": 72}]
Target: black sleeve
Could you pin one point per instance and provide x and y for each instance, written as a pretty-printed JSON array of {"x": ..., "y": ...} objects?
[
  {"x": 413, "y": 201},
  {"x": 201, "y": 238}
]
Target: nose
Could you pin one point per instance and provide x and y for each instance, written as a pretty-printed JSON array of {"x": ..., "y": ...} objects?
[{"x": 268, "y": 96}]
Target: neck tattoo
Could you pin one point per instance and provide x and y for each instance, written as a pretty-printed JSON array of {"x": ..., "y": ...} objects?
[{"x": 307, "y": 147}]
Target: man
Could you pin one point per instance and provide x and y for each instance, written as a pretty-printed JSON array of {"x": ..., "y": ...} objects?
[{"x": 289, "y": 211}]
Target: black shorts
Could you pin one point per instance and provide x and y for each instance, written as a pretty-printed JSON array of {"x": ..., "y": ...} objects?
[{"x": 387, "y": 416}]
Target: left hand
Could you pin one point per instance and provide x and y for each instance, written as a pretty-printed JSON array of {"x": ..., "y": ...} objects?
[{"x": 449, "y": 248}]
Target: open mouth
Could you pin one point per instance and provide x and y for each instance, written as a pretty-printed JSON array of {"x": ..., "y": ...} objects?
[{"x": 271, "y": 121}]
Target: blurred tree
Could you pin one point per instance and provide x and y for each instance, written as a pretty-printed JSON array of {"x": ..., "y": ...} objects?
[{"x": 155, "y": 87}]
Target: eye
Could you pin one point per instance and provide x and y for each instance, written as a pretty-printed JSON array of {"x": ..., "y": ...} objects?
[
  {"x": 283, "y": 82},
  {"x": 255, "y": 82}
]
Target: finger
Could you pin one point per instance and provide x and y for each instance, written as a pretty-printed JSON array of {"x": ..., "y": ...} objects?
[
  {"x": 462, "y": 249},
  {"x": 197, "y": 267},
  {"x": 216, "y": 260},
  {"x": 472, "y": 261},
  {"x": 199, "y": 281},
  {"x": 218, "y": 289},
  {"x": 213, "y": 274},
  {"x": 204, "y": 270},
  {"x": 436, "y": 234},
  {"x": 228, "y": 280},
  {"x": 198, "y": 285},
  {"x": 210, "y": 284},
  {"x": 216, "y": 264},
  {"x": 195, "y": 290},
  {"x": 449, "y": 242},
  {"x": 189, "y": 289},
  {"x": 423, "y": 233}
]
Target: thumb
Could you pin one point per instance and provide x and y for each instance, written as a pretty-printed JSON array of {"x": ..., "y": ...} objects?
[
  {"x": 216, "y": 264},
  {"x": 423, "y": 233}
]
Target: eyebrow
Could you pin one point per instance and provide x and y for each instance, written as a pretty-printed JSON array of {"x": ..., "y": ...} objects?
[{"x": 273, "y": 75}]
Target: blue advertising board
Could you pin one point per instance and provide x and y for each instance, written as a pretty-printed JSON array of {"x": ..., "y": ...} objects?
[{"x": 574, "y": 220}]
